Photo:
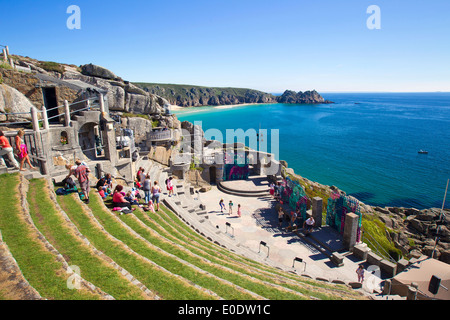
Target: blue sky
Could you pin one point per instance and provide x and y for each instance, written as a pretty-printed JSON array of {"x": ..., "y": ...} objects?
[{"x": 266, "y": 45}]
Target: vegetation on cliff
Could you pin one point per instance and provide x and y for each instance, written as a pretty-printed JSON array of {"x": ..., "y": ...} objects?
[{"x": 195, "y": 96}]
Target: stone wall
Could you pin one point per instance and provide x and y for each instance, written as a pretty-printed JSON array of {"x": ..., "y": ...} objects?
[{"x": 28, "y": 85}]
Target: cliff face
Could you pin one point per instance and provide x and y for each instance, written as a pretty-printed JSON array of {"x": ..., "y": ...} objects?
[
  {"x": 195, "y": 96},
  {"x": 307, "y": 97}
]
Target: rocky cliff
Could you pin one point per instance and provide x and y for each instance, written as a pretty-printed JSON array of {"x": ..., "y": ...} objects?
[
  {"x": 196, "y": 96},
  {"x": 122, "y": 95}
]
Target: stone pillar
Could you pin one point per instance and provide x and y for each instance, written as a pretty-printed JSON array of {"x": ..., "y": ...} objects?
[
  {"x": 34, "y": 119},
  {"x": 67, "y": 113},
  {"x": 109, "y": 141},
  {"x": 350, "y": 230},
  {"x": 412, "y": 293},
  {"x": 317, "y": 208},
  {"x": 387, "y": 287},
  {"x": 11, "y": 62},
  {"x": 102, "y": 103},
  {"x": 219, "y": 173},
  {"x": 198, "y": 142},
  {"x": 45, "y": 118},
  {"x": 5, "y": 56},
  {"x": 7, "y": 50}
]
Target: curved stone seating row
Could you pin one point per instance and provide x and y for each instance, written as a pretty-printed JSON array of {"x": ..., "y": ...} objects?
[
  {"x": 12, "y": 277},
  {"x": 130, "y": 238},
  {"x": 42, "y": 250}
]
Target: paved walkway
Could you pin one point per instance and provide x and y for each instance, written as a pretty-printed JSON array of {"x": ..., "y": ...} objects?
[{"x": 259, "y": 222}]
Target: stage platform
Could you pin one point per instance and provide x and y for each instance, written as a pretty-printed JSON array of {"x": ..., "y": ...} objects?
[{"x": 254, "y": 186}]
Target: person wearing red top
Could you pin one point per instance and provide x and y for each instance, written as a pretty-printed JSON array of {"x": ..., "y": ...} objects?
[
  {"x": 119, "y": 199},
  {"x": 6, "y": 149}
]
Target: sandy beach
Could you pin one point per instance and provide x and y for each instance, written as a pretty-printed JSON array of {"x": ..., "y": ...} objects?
[{"x": 178, "y": 108}]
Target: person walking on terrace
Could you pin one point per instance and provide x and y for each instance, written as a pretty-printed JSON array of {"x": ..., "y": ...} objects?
[
  {"x": 360, "y": 273},
  {"x": 169, "y": 185},
  {"x": 22, "y": 150},
  {"x": 147, "y": 187},
  {"x": 6, "y": 149},
  {"x": 230, "y": 207},
  {"x": 222, "y": 205}
]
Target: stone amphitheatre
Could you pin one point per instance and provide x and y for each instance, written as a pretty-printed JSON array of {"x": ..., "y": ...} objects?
[{"x": 58, "y": 247}]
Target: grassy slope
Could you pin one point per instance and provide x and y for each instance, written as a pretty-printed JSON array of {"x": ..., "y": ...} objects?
[
  {"x": 75, "y": 252},
  {"x": 38, "y": 265}
]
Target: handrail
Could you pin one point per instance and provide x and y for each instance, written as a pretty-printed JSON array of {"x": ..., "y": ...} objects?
[
  {"x": 94, "y": 106},
  {"x": 15, "y": 113}
]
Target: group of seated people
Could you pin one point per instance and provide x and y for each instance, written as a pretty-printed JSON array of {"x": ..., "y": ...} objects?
[
  {"x": 293, "y": 219},
  {"x": 122, "y": 201}
]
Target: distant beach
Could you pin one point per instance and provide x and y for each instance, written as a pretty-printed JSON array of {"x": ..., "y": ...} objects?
[{"x": 186, "y": 110}]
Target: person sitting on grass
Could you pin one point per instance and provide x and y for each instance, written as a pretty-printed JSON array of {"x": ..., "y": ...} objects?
[
  {"x": 101, "y": 183},
  {"x": 131, "y": 198},
  {"x": 119, "y": 200},
  {"x": 102, "y": 193},
  {"x": 150, "y": 206}
]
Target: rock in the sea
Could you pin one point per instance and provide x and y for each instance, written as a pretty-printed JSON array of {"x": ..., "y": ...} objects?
[{"x": 307, "y": 97}]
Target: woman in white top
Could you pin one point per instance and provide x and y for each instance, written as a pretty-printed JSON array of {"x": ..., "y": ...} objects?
[{"x": 156, "y": 191}]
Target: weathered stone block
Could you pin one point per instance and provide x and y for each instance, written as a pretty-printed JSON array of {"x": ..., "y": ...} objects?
[
  {"x": 373, "y": 258},
  {"x": 361, "y": 251},
  {"x": 337, "y": 259},
  {"x": 388, "y": 267}
]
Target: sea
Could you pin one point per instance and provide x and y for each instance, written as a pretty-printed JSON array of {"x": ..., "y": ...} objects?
[{"x": 366, "y": 144}]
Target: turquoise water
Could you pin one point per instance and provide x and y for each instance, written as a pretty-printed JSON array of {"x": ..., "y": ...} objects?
[{"x": 366, "y": 144}]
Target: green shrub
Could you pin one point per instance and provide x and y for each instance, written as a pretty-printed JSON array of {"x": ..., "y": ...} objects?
[
  {"x": 5, "y": 65},
  {"x": 52, "y": 66}
]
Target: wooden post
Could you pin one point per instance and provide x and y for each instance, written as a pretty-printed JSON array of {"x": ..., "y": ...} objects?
[
  {"x": 5, "y": 56},
  {"x": 11, "y": 62},
  {"x": 7, "y": 50},
  {"x": 67, "y": 113},
  {"x": 45, "y": 118},
  {"x": 34, "y": 119}
]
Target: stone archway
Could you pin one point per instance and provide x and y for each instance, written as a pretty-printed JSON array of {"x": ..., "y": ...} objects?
[{"x": 90, "y": 141}]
